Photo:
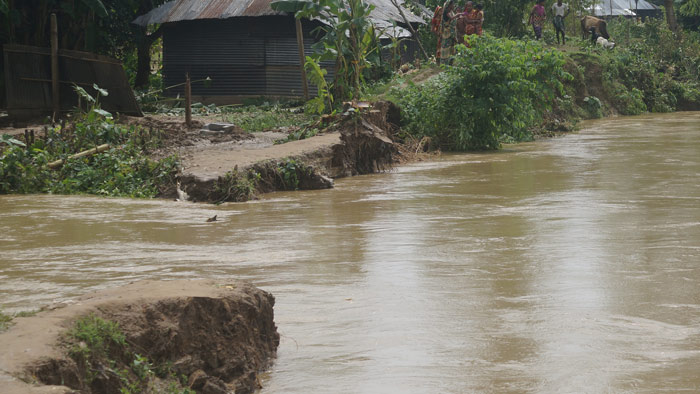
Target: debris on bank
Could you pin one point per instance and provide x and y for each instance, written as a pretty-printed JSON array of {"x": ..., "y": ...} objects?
[
  {"x": 149, "y": 336},
  {"x": 357, "y": 142}
]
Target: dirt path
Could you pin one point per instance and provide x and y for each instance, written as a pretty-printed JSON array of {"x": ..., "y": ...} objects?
[{"x": 212, "y": 161}]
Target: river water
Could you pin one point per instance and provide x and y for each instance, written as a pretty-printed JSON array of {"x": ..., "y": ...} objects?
[{"x": 564, "y": 265}]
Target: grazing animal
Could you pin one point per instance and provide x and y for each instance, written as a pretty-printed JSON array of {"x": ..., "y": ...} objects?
[
  {"x": 600, "y": 41},
  {"x": 212, "y": 219},
  {"x": 590, "y": 22},
  {"x": 605, "y": 43}
]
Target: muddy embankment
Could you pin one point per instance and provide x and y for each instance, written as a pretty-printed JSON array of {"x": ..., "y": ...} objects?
[
  {"x": 171, "y": 335},
  {"x": 358, "y": 142}
]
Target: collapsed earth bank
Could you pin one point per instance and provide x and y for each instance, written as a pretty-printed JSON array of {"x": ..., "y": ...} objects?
[
  {"x": 360, "y": 141},
  {"x": 150, "y": 336}
]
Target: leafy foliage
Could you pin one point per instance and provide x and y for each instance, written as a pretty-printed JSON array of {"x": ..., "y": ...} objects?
[
  {"x": 486, "y": 96},
  {"x": 237, "y": 186},
  {"x": 97, "y": 345},
  {"x": 289, "y": 170},
  {"x": 651, "y": 66},
  {"x": 93, "y": 337},
  {"x": 317, "y": 76},
  {"x": 593, "y": 106},
  {"x": 349, "y": 38},
  {"x": 505, "y": 18},
  {"x": 123, "y": 170}
]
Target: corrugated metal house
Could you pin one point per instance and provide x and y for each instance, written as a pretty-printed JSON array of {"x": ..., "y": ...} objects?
[
  {"x": 244, "y": 46},
  {"x": 628, "y": 8}
]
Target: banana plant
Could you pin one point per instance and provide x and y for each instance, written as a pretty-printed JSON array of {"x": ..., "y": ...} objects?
[
  {"x": 97, "y": 6},
  {"x": 349, "y": 37}
]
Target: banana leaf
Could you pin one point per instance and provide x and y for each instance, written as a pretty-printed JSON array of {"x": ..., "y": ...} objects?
[{"x": 97, "y": 6}]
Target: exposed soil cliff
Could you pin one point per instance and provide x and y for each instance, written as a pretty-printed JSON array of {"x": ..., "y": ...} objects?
[{"x": 208, "y": 337}]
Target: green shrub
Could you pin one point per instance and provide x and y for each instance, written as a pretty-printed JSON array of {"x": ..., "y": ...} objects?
[
  {"x": 236, "y": 186},
  {"x": 123, "y": 170},
  {"x": 493, "y": 91},
  {"x": 593, "y": 107},
  {"x": 92, "y": 337},
  {"x": 650, "y": 59},
  {"x": 627, "y": 101}
]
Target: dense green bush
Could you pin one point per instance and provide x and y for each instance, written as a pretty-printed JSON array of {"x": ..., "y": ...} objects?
[
  {"x": 494, "y": 91},
  {"x": 593, "y": 107},
  {"x": 651, "y": 64},
  {"x": 627, "y": 101}
]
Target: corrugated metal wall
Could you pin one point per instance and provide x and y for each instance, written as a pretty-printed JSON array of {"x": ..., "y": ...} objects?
[
  {"x": 28, "y": 80},
  {"x": 243, "y": 56}
]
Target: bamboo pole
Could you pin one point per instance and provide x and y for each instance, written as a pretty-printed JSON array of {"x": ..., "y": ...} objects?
[
  {"x": 188, "y": 101},
  {"x": 302, "y": 58},
  {"x": 55, "y": 92},
  {"x": 410, "y": 27},
  {"x": 59, "y": 163}
]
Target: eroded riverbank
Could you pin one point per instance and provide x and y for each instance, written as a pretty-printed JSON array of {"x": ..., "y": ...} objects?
[
  {"x": 208, "y": 336},
  {"x": 567, "y": 264}
]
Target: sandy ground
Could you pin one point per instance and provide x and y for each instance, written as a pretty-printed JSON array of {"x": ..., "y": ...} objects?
[
  {"x": 215, "y": 160},
  {"x": 34, "y": 338}
]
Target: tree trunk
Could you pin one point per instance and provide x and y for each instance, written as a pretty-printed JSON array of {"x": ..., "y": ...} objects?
[
  {"x": 670, "y": 15},
  {"x": 143, "y": 65}
]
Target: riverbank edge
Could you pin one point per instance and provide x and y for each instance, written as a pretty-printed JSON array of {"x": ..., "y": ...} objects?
[
  {"x": 366, "y": 144},
  {"x": 213, "y": 335},
  {"x": 318, "y": 168}
]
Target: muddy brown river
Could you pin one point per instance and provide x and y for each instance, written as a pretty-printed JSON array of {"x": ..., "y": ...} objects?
[{"x": 569, "y": 265}]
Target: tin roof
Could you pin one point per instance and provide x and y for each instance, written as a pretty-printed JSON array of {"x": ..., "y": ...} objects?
[
  {"x": 185, "y": 10},
  {"x": 621, "y": 7}
]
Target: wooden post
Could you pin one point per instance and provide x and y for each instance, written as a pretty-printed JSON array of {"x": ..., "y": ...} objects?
[
  {"x": 188, "y": 101},
  {"x": 302, "y": 59},
  {"x": 55, "y": 93}
]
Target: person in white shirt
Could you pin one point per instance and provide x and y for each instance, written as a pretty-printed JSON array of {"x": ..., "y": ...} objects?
[{"x": 560, "y": 11}]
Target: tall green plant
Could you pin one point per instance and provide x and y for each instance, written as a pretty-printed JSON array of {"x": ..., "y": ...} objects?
[
  {"x": 349, "y": 38},
  {"x": 317, "y": 76}
]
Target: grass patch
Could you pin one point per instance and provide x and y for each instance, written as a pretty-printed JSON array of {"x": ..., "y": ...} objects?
[
  {"x": 236, "y": 186},
  {"x": 5, "y": 321},
  {"x": 99, "y": 345},
  {"x": 265, "y": 117},
  {"x": 27, "y": 313}
]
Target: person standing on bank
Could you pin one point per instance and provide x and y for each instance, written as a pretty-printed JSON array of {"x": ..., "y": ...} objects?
[
  {"x": 537, "y": 18},
  {"x": 447, "y": 32},
  {"x": 560, "y": 11}
]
